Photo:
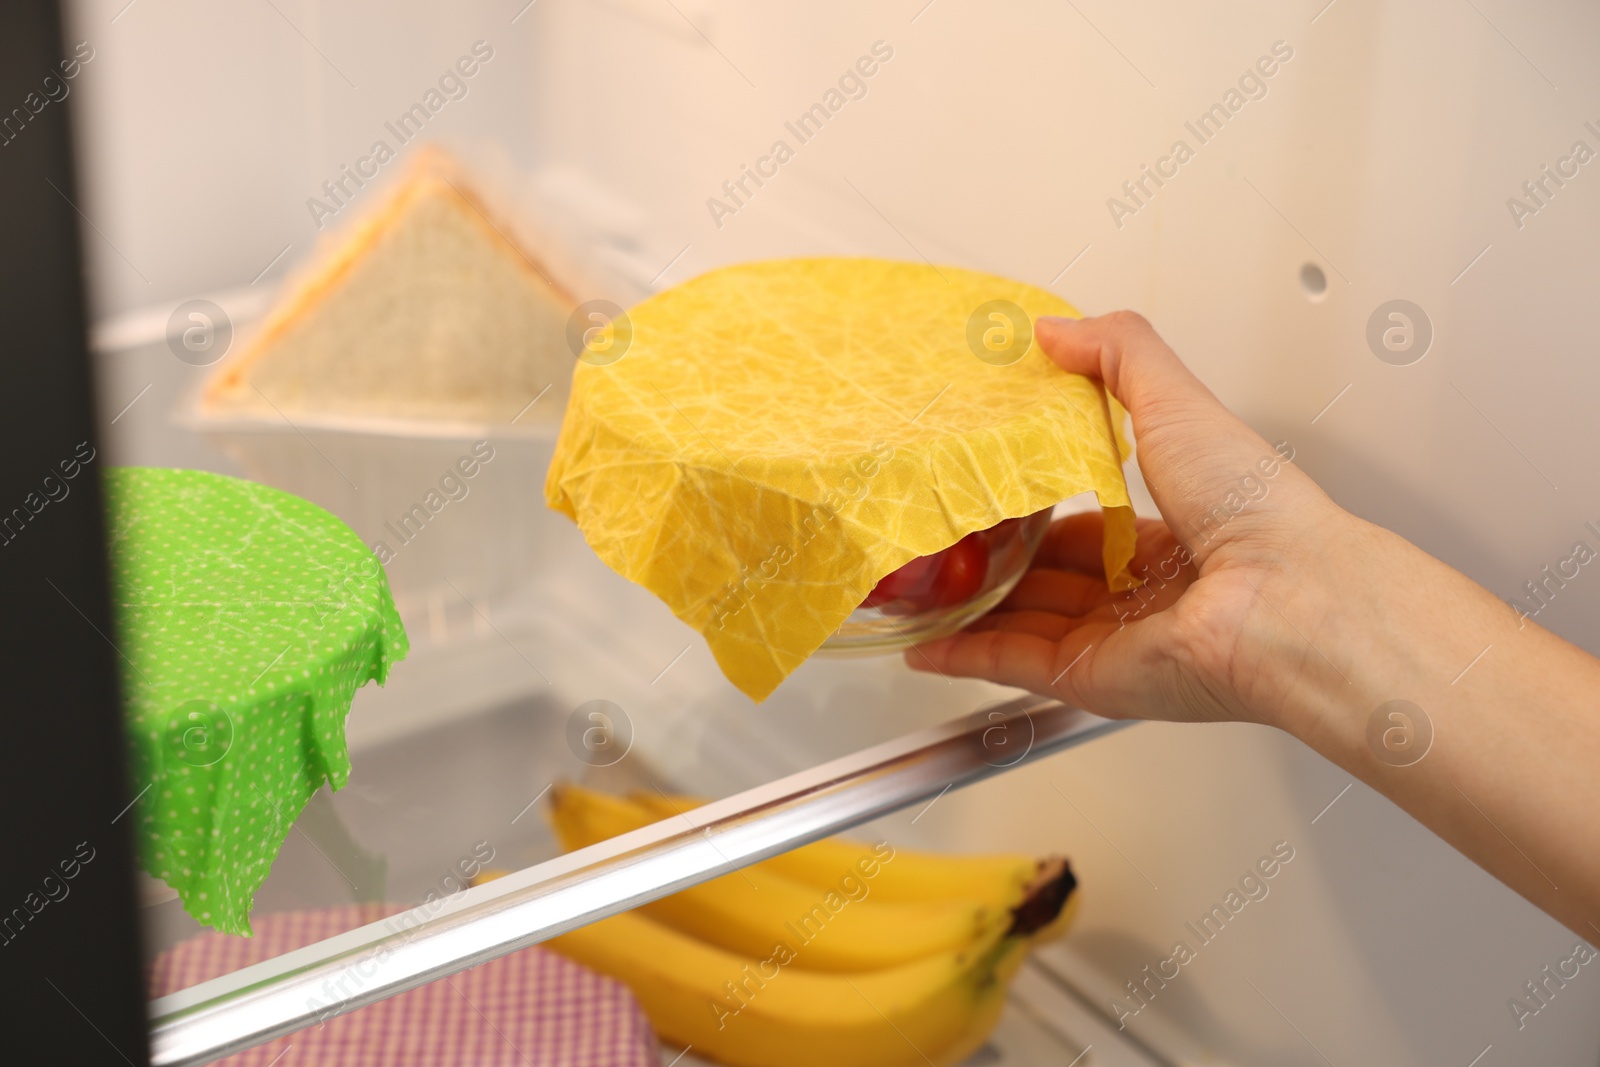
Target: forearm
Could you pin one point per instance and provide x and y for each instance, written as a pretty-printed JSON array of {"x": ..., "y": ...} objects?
[{"x": 1512, "y": 775}]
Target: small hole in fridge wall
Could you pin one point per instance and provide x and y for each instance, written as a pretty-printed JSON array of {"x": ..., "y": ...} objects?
[{"x": 1313, "y": 281}]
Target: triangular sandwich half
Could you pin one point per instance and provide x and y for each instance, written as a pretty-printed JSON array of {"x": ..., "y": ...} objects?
[{"x": 428, "y": 309}]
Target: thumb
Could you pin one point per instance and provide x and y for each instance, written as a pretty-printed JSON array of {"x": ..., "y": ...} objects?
[
  {"x": 1124, "y": 351},
  {"x": 1200, "y": 461}
]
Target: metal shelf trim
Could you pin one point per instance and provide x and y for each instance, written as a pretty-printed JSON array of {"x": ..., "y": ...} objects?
[{"x": 431, "y": 941}]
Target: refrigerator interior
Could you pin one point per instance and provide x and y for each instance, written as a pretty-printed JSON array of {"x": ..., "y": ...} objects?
[{"x": 1380, "y": 161}]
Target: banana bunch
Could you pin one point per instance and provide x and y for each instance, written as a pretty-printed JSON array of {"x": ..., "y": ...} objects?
[{"x": 838, "y": 953}]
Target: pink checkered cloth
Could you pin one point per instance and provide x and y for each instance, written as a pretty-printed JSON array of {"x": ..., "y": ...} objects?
[{"x": 530, "y": 1009}]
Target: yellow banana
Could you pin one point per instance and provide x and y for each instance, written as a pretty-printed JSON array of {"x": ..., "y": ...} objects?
[
  {"x": 762, "y": 1012},
  {"x": 765, "y": 1008},
  {"x": 837, "y": 926},
  {"x": 999, "y": 880}
]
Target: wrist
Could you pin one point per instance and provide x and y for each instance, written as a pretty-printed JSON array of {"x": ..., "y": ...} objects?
[{"x": 1373, "y": 621}]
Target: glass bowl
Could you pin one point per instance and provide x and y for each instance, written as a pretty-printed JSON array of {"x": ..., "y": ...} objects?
[{"x": 936, "y": 595}]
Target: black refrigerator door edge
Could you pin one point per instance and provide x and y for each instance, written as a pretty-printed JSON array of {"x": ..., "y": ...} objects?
[{"x": 69, "y": 934}]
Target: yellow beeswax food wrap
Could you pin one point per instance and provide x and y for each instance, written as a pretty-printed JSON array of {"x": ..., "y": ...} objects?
[{"x": 760, "y": 445}]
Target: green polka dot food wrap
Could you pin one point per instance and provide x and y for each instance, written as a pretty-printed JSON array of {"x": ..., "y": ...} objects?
[{"x": 247, "y": 618}]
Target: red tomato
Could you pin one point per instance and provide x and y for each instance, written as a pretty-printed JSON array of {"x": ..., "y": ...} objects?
[
  {"x": 962, "y": 568},
  {"x": 909, "y": 581}
]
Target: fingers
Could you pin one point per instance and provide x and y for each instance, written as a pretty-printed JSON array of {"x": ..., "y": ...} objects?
[
  {"x": 1047, "y": 624},
  {"x": 1120, "y": 672},
  {"x": 1057, "y": 592},
  {"x": 1073, "y": 544},
  {"x": 1005, "y": 657}
]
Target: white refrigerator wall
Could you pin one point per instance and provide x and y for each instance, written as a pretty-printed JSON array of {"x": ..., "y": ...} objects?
[{"x": 1382, "y": 155}]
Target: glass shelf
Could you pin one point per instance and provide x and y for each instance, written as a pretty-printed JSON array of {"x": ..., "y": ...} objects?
[{"x": 471, "y": 776}]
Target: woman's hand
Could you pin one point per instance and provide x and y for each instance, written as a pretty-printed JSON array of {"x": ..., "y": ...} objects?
[
  {"x": 1244, "y": 527},
  {"x": 1266, "y": 602}
]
